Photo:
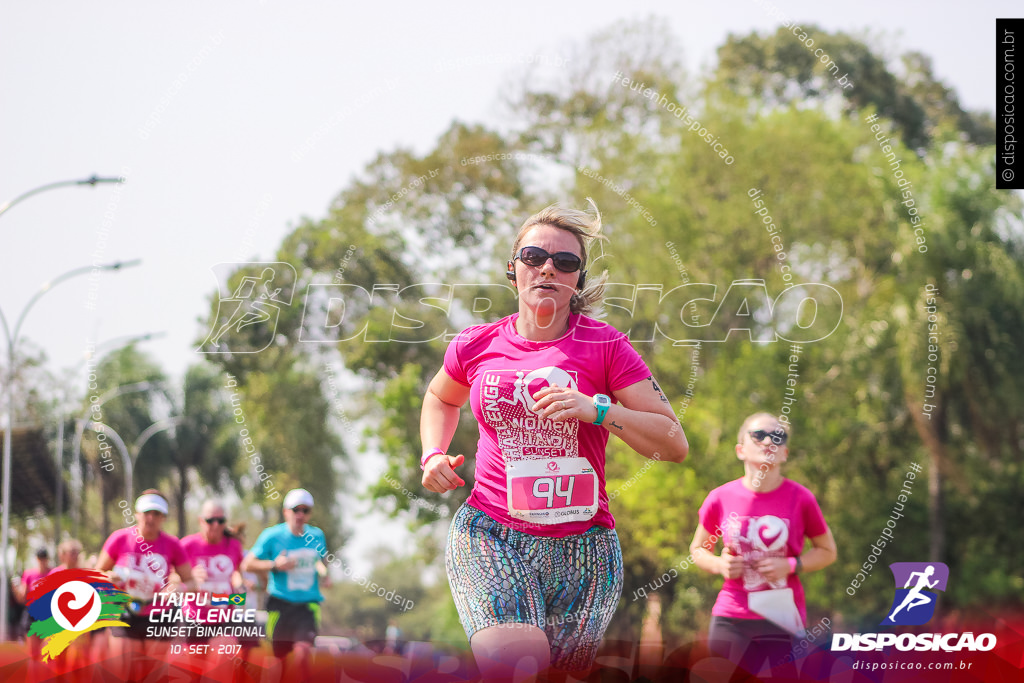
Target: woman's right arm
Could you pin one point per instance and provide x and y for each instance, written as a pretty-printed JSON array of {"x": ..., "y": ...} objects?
[
  {"x": 105, "y": 563},
  {"x": 438, "y": 420},
  {"x": 702, "y": 550}
]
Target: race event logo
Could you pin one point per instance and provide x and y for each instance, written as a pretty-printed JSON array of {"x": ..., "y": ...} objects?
[
  {"x": 914, "y": 603},
  {"x": 202, "y": 615},
  {"x": 67, "y": 603},
  {"x": 249, "y": 306}
]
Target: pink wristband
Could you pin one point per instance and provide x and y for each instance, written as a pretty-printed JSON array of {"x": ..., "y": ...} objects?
[
  {"x": 428, "y": 455},
  {"x": 793, "y": 561}
]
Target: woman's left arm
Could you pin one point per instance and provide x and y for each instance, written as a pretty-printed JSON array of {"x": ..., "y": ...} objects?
[
  {"x": 643, "y": 418},
  {"x": 184, "y": 570},
  {"x": 821, "y": 554}
]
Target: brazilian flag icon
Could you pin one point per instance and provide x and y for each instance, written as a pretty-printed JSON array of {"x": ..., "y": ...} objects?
[{"x": 237, "y": 599}]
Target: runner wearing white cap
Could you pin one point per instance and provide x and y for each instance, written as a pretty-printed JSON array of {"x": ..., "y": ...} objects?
[
  {"x": 140, "y": 559},
  {"x": 291, "y": 552}
]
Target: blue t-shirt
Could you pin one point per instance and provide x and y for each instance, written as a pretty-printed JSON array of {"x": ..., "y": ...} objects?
[{"x": 300, "y": 583}]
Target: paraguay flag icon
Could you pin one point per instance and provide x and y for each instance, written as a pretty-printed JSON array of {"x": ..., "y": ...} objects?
[{"x": 67, "y": 603}]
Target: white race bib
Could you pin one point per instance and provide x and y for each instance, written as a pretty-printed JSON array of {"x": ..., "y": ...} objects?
[
  {"x": 302, "y": 576},
  {"x": 552, "y": 491}
]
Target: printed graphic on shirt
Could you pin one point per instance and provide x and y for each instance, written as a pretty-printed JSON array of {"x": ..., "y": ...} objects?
[
  {"x": 506, "y": 397},
  {"x": 756, "y": 538},
  {"x": 143, "y": 575},
  {"x": 218, "y": 572}
]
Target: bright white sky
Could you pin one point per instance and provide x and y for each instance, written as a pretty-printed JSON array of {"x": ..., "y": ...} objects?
[{"x": 212, "y": 176}]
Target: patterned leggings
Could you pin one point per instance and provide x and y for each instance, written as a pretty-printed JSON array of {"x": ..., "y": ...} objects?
[{"x": 569, "y": 586}]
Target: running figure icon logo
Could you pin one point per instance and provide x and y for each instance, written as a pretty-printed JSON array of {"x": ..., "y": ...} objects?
[
  {"x": 916, "y": 587},
  {"x": 250, "y": 302}
]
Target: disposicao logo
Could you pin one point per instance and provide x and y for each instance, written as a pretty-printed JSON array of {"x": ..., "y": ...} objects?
[
  {"x": 913, "y": 605},
  {"x": 67, "y": 603}
]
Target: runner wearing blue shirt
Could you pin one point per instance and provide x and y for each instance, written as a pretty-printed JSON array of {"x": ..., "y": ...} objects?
[{"x": 291, "y": 552}]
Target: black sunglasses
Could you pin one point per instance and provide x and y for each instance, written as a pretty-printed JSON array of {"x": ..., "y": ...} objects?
[
  {"x": 778, "y": 436},
  {"x": 303, "y": 510},
  {"x": 565, "y": 261},
  {"x": 216, "y": 520}
]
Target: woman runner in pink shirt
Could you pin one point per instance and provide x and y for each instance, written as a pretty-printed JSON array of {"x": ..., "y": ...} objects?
[
  {"x": 139, "y": 560},
  {"x": 533, "y": 559},
  {"x": 763, "y": 520},
  {"x": 215, "y": 556}
]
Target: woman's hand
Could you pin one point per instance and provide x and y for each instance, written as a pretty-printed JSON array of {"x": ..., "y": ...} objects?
[
  {"x": 773, "y": 569},
  {"x": 439, "y": 473},
  {"x": 199, "y": 574},
  {"x": 438, "y": 420},
  {"x": 561, "y": 403},
  {"x": 643, "y": 418},
  {"x": 731, "y": 566}
]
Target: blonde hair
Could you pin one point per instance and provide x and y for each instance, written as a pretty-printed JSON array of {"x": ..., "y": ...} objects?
[
  {"x": 750, "y": 418},
  {"x": 587, "y": 229},
  {"x": 68, "y": 545}
]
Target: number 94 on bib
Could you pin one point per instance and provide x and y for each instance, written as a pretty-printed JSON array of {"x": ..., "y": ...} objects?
[{"x": 552, "y": 491}]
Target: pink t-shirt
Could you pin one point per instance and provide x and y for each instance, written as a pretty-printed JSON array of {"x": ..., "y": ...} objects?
[
  {"x": 144, "y": 565},
  {"x": 219, "y": 560},
  {"x": 30, "y": 576},
  {"x": 504, "y": 370},
  {"x": 759, "y": 525}
]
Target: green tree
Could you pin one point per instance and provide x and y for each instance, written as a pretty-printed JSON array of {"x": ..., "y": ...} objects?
[
  {"x": 779, "y": 69},
  {"x": 959, "y": 368},
  {"x": 205, "y": 439},
  {"x": 145, "y": 400},
  {"x": 288, "y": 420}
]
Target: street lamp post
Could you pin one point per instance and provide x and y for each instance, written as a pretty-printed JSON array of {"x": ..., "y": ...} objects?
[
  {"x": 12, "y": 341},
  {"x": 92, "y": 180},
  {"x": 130, "y": 456},
  {"x": 96, "y": 408},
  {"x": 120, "y": 342},
  {"x": 151, "y": 430},
  {"x": 126, "y": 460}
]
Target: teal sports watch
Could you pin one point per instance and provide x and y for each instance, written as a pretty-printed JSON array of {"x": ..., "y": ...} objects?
[{"x": 602, "y": 403}]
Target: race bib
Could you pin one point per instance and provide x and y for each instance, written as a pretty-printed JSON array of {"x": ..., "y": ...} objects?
[
  {"x": 552, "y": 491},
  {"x": 302, "y": 577}
]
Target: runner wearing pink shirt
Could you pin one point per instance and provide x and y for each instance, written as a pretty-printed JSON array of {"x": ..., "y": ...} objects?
[
  {"x": 139, "y": 560},
  {"x": 29, "y": 577},
  {"x": 763, "y": 520},
  {"x": 215, "y": 557},
  {"x": 533, "y": 559},
  {"x": 32, "y": 574}
]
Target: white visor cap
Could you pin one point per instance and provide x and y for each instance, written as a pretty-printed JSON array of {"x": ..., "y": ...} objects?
[{"x": 297, "y": 497}]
